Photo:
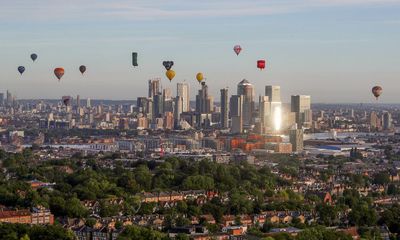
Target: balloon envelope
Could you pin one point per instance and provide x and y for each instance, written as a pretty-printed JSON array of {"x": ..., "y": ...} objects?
[
  {"x": 261, "y": 64},
  {"x": 21, "y": 69},
  {"x": 170, "y": 74},
  {"x": 199, "y": 77},
  {"x": 237, "y": 49},
  {"x": 377, "y": 91},
  {"x": 59, "y": 72},
  {"x": 66, "y": 100},
  {"x": 34, "y": 56},
  {"x": 82, "y": 69},
  {"x": 134, "y": 59},
  {"x": 168, "y": 64}
]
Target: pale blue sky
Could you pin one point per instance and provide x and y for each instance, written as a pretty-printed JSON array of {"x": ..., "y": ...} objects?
[{"x": 333, "y": 50}]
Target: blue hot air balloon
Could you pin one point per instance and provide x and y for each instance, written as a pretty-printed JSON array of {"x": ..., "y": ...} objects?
[
  {"x": 168, "y": 65},
  {"x": 21, "y": 69},
  {"x": 34, "y": 56}
]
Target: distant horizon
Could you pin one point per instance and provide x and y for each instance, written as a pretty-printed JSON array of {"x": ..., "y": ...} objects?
[
  {"x": 193, "y": 101},
  {"x": 332, "y": 50}
]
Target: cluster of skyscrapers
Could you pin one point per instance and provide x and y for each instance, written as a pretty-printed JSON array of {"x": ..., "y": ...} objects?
[{"x": 238, "y": 113}]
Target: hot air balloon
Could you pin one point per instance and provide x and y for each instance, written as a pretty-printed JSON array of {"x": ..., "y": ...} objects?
[
  {"x": 168, "y": 64},
  {"x": 134, "y": 59},
  {"x": 237, "y": 49},
  {"x": 66, "y": 100},
  {"x": 82, "y": 69},
  {"x": 261, "y": 64},
  {"x": 377, "y": 91},
  {"x": 170, "y": 74},
  {"x": 59, "y": 72},
  {"x": 33, "y": 56},
  {"x": 21, "y": 69},
  {"x": 199, "y": 77}
]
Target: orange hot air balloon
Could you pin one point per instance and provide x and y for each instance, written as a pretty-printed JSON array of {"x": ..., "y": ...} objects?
[
  {"x": 59, "y": 72},
  {"x": 377, "y": 91},
  {"x": 170, "y": 74},
  {"x": 199, "y": 77}
]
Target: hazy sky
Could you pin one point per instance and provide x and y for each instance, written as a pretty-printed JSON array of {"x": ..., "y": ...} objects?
[{"x": 333, "y": 50}]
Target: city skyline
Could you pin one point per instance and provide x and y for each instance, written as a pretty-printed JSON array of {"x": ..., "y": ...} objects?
[{"x": 335, "y": 51}]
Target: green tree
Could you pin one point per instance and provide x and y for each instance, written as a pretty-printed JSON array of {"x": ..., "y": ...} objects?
[
  {"x": 391, "y": 218},
  {"x": 74, "y": 208},
  {"x": 198, "y": 182},
  {"x": 50, "y": 232},
  {"x": 25, "y": 237},
  {"x": 381, "y": 178},
  {"x": 140, "y": 233},
  {"x": 107, "y": 209},
  {"x": 320, "y": 233},
  {"x": 392, "y": 189},
  {"x": 143, "y": 177},
  {"x": 362, "y": 215},
  {"x": 90, "y": 222},
  {"x": 327, "y": 214}
]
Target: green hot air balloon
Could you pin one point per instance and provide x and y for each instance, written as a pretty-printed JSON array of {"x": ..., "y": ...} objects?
[{"x": 134, "y": 59}]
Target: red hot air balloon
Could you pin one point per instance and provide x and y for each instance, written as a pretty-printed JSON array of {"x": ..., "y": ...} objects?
[
  {"x": 377, "y": 91},
  {"x": 237, "y": 49},
  {"x": 261, "y": 64},
  {"x": 59, "y": 72}
]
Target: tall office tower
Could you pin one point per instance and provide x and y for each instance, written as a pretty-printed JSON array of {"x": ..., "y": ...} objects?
[
  {"x": 167, "y": 93},
  {"x": 296, "y": 139},
  {"x": 178, "y": 109},
  {"x": 90, "y": 117},
  {"x": 265, "y": 113},
  {"x": 168, "y": 104},
  {"x": 99, "y": 109},
  {"x": 374, "y": 121},
  {"x": 387, "y": 121},
  {"x": 149, "y": 112},
  {"x": 142, "y": 104},
  {"x": 157, "y": 106},
  {"x": 307, "y": 118},
  {"x": 322, "y": 114},
  {"x": 182, "y": 90},
  {"x": 154, "y": 87},
  {"x": 88, "y": 103},
  {"x": 1, "y": 99},
  {"x": 168, "y": 120},
  {"x": 9, "y": 98},
  {"x": 107, "y": 117},
  {"x": 204, "y": 102},
  {"x": 78, "y": 101},
  {"x": 274, "y": 96},
  {"x": 142, "y": 123},
  {"x": 301, "y": 105},
  {"x": 273, "y": 93},
  {"x": 224, "y": 108},
  {"x": 246, "y": 89},
  {"x": 236, "y": 112},
  {"x": 352, "y": 113}
]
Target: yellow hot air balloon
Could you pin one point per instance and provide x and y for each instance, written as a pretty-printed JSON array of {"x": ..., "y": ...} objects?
[
  {"x": 199, "y": 77},
  {"x": 170, "y": 74}
]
